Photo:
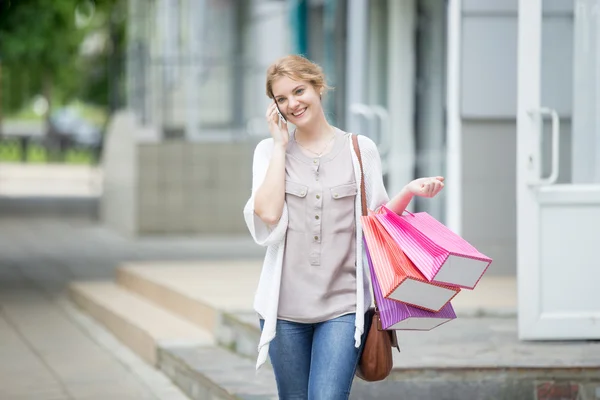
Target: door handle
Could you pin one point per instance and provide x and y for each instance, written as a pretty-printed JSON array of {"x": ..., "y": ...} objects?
[
  {"x": 382, "y": 137},
  {"x": 365, "y": 111},
  {"x": 553, "y": 177},
  {"x": 385, "y": 134}
]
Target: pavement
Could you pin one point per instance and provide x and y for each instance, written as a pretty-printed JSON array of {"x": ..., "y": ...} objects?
[
  {"x": 50, "y": 180},
  {"x": 49, "y": 349}
]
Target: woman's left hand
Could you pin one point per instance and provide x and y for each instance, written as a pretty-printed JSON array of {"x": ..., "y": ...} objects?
[{"x": 426, "y": 187}]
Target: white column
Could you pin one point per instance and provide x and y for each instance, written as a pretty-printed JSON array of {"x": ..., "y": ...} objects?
[
  {"x": 158, "y": 69},
  {"x": 271, "y": 32},
  {"x": 194, "y": 65},
  {"x": 375, "y": 82},
  {"x": 171, "y": 39},
  {"x": 586, "y": 93},
  {"x": 401, "y": 93},
  {"x": 453, "y": 119},
  {"x": 167, "y": 16},
  {"x": 358, "y": 12},
  {"x": 431, "y": 157}
]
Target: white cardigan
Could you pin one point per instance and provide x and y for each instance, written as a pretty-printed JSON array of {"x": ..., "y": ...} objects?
[{"x": 266, "y": 299}]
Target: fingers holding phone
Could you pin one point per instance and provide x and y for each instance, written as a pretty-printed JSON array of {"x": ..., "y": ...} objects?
[
  {"x": 281, "y": 117},
  {"x": 277, "y": 124}
]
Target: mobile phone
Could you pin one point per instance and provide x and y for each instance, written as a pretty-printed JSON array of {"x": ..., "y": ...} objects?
[{"x": 281, "y": 118}]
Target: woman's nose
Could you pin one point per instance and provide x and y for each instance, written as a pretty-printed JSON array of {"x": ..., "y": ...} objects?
[{"x": 292, "y": 103}]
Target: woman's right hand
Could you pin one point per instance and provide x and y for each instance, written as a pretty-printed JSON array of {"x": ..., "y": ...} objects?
[{"x": 279, "y": 133}]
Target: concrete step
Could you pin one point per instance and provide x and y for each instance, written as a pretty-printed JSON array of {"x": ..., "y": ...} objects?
[
  {"x": 217, "y": 374},
  {"x": 464, "y": 343},
  {"x": 185, "y": 352},
  {"x": 216, "y": 296},
  {"x": 138, "y": 323},
  {"x": 476, "y": 356},
  {"x": 197, "y": 291},
  {"x": 240, "y": 332},
  {"x": 477, "y": 384},
  {"x": 468, "y": 358}
]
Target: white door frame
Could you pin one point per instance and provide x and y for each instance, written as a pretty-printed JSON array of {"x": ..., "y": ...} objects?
[
  {"x": 556, "y": 230},
  {"x": 401, "y": 93},
  {"x": 453, "y": 118}
]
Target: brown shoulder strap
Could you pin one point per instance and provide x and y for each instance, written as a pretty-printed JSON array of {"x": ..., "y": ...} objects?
[{"x": 363, "y": 195}]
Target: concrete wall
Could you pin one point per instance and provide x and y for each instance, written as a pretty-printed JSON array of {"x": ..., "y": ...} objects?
[
  {"x": 488, "y": 108},
  {"x": 206, "y": 69},
  {"x": 117, "y": 206},
  {"x": 193, "y": 188},
  {"x": 173, "y": 187}
]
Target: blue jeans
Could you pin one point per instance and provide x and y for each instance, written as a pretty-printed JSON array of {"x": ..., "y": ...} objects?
[{"x": 315, "y": 361}]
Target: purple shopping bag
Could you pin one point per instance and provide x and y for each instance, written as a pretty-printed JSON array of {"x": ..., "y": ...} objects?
[{"x": 400, "y": 316}]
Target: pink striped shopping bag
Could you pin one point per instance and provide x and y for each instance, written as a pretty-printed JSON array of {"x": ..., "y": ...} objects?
[
  {"x": 440, "y": 254},
  {"x": 395, "y": 315},
  {"x": 396, "y": 274}
]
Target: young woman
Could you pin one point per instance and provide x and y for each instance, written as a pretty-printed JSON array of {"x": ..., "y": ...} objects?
[{"x": 305, "y": 208}]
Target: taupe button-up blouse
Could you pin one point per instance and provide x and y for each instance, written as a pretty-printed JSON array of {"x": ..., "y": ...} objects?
[{"x": 318, "y": 280}]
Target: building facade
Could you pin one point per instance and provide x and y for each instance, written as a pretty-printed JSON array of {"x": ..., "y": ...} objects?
[{"x": 433, "y": 82}]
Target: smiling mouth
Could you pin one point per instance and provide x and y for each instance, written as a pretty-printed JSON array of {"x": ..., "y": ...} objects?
[{"x": 299, "y": 113}]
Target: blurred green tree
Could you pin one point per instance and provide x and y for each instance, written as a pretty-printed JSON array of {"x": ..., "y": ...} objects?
[
  {"x": 39, "y": 42},
  {"x": 104, "y": 69},
  {"x": 42, "y": 50}
]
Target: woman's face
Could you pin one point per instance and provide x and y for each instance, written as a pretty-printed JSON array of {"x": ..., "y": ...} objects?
[{"x": 298, "y": 101}]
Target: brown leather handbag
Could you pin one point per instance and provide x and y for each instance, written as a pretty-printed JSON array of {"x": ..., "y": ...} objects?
[{"x": 376, "y": 361}]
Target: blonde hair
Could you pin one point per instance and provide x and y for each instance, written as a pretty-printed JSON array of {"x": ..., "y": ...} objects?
[{"x": 298, "y": 68}]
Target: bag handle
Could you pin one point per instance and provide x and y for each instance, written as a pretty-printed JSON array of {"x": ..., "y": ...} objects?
[{"x": 363, "y": 196}]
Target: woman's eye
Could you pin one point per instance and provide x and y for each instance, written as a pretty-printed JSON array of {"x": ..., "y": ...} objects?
[
  {"x": 280, "y": 100},
  {"x": 299, "y": 91}
]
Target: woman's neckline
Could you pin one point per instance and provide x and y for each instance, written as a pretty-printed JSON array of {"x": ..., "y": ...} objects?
[{"x": 297, "y": 151}]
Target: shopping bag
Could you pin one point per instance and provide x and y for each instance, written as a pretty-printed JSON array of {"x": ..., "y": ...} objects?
[
  {"x": 440, "y": 254},
  {"x": 395, "y": 315},
  {"x": 396, "y": 274}
]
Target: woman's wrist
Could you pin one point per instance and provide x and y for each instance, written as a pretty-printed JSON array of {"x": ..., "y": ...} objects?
[
  {"x": 406, "y": 192},
  {"x": 399, "y": 203},
  {"x": 279, "y": 149}
]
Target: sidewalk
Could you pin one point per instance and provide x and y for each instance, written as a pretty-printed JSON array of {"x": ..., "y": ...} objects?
[
  {"x": 47, "y": 355},
  {"x": 49, "y": 349},
  {"x": 52, "y": 351},
  {"x": 56, "y": 180}
]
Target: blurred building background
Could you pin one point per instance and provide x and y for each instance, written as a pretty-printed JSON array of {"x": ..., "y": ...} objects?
[
  {"x": 196, "y": 86},
  {"x": 144, "y": 114},
  {"x": 433, "y": 82},
  {"x": 435, "y": 89}
]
